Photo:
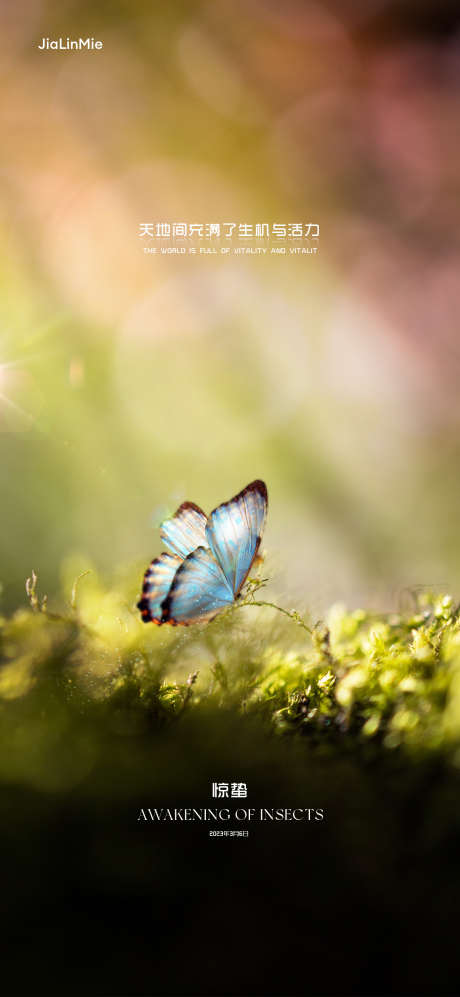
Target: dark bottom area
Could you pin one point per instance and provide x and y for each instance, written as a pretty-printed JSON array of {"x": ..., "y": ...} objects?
[{"x": 366, "y": 902}]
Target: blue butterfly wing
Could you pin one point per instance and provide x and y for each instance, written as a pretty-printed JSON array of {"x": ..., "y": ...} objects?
[
  {"x": 157, "y": 583},
  {"x": 199, "y": 590},
  {"x": 234, "y": 532},
  {"x": 185, "y": 531}
]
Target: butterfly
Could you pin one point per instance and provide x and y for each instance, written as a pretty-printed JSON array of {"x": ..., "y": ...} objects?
[{"x": 208, "y": 559}]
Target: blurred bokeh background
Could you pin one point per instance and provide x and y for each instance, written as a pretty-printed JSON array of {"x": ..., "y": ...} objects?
[{"x": 130, "y": 382}]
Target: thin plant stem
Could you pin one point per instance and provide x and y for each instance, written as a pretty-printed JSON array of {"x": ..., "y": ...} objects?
[{"x": 292, "y": 614}]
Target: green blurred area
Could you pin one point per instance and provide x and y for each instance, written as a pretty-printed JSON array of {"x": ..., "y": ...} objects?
[{"x": 129, "y": 383}]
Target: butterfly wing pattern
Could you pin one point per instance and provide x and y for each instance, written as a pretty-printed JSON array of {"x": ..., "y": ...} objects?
[
  {"x": 199, "y": 590},
  {"x": 208, "y": 559},
  {"x": 185, "y": 531},
  {"x": 234, "y": 532},
  {"x": 157, "y": 582}
]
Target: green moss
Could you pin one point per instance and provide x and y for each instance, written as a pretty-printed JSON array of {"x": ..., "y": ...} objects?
[{"x": 359, "y": 681}]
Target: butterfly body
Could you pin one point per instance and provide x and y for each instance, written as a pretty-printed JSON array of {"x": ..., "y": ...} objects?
[{"x": 208, "y": 559}]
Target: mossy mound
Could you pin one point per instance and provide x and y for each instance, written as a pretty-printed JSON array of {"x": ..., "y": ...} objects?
[
  {"x": 357, "y": 681},
  {"x": 358, "y": 715}
]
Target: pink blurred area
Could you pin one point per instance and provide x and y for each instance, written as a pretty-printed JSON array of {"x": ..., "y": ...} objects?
[{"x": 250, "y": 110}]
